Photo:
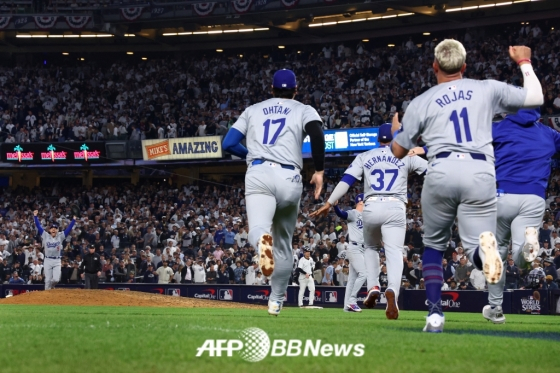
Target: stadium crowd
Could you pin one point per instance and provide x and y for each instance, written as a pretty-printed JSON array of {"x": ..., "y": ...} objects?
[
  {"x": 351, "y": 85},
  {"x": 152, "y": 233}
]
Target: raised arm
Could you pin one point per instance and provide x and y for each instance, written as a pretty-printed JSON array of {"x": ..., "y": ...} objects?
[
  {"x": 69, "y": 227},
  {"x": 38, "y": 223},
  {"x": 521, "y": 55}
]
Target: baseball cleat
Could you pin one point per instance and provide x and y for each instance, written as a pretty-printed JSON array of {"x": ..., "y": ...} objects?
[
  {"x": 531, "y": 247},
  {"x": 266, "y": 257},
  {"x": 353, "y": 308},
  {"x": 496, "y": 314},
  {"x": 372, "y": 297},
  {"x": 434, "y": 323},
  {"x": 492, "y": 266},
  {"x": 392, "y": 311},
  {"x": 274, "y": 307}
]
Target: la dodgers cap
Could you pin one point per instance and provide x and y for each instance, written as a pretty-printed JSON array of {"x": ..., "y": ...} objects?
[
  {"x": 284, "y": 79},
  {"x": 359, "y": 198},
  {"x": 385, "y": 134}
]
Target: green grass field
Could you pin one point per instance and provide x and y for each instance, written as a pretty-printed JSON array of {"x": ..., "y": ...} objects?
[{"x": 118, "y": 339}]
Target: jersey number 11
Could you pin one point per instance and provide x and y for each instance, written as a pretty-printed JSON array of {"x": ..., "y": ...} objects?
[{"x": 457, "y": 125}]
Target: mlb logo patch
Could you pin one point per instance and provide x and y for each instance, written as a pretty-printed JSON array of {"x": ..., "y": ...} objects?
[
  {"x": 226, "y": 294},
  {"x": 452, "y": 88},
  {"x": 174, "y": 292},
  {"x": 331, "y": 297},
  {"x": 460, "y": 156}
]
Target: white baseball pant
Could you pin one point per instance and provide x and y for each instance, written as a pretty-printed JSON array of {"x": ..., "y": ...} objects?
[{"x": 306, "y": 283}]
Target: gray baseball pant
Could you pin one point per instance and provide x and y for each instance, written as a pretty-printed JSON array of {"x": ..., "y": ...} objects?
[
  {"x": 462, "y": 187},
  {"x": 272, "y": 195},
  {"x": 384, "y": 221},
  {"x": 52, "y": 272},
  {"x": 356, "y": 274},
  {"x": 515, "y": 213}
]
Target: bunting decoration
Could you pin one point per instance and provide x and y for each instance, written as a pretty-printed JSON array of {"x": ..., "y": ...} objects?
[
  {"x": 45, "y": 22},
  {"x": 204, "y": 9},
  {"x": 77, "y": 22},
  {"x": 132, "y": 14}
]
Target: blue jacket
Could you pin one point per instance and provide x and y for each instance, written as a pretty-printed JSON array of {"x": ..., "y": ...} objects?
[{"x": 523, "y": 149}]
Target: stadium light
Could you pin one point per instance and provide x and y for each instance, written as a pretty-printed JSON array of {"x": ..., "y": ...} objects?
[
  {"x": 144, "y": 58},
  {"x": 426, "y": 34},
  {"x": 169, "y": 33},
  {"x": 219, "y": 50},
  {"x": 129, "y": 35},
  {"x": 391, "y": 45},
  {"x": 281, "y": 47},
  {"x": 365, "y": 40},
  {"x": 23, "y": 36},
  {"x": 65, "y": 53},
  {"x": 82, "y": 59}
]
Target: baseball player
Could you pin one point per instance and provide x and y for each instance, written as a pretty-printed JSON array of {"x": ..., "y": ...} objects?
[
  {"x": 305, "y": 270},
  {"x": 354, "y": 253},
  {"x": 454, "y": 119},
  {"x": 384, "y": 213},
  {"x": 52, "y": 245},
  {"x": 275, "y": 130},
  {"x": 522, "y": 171}
]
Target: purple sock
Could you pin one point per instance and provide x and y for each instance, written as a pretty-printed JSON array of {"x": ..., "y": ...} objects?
[{"x": 432, "y": 270}]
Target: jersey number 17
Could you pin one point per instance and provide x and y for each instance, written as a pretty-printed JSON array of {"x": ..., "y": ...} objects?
[{"x": 267, "y": 126}]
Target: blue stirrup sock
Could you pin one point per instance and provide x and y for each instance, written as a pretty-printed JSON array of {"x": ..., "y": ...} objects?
[{"x": 432, "y": 271}]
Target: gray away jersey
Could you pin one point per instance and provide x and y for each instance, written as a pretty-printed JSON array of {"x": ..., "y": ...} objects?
[
  {"x": 53, "y": 245},
  {"x": 274, "y": 130},
  {"x": 355, "y": 226},
  {"x": 457, "y": 116},
  {"x": 384, "y": 174}
]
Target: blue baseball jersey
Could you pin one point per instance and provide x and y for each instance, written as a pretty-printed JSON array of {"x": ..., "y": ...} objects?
[{"x": 523, "y": 149}]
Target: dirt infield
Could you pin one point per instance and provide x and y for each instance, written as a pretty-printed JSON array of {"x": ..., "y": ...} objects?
[{"x": 78, "y": 297}]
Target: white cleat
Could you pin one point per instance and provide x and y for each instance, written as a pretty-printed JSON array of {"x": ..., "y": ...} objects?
[
  {"x": 266, "y": 256},
  {"x": 531, "y": 248},
  {"x": 492, "y": 266},
  {"x": 496, "y": 314},
  {"x": 274, "y": 307},
  {"x": 434, "y": 323}
]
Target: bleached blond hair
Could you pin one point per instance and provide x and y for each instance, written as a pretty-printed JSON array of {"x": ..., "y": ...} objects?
[{"x": 450, "y": 55}]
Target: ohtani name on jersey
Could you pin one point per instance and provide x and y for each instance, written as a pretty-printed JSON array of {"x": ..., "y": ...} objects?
[
  {"x": 383, "y": 158},
  {"x": 454, "y": 96},
  {"x": 276, "y": 110}
]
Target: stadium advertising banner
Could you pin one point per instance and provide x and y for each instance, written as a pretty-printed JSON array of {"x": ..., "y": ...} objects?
[
  {"x": 49, "y": 153},
  {"x": 517, "y": 301},
  {"x": 347, "y": 140},
  {"x": 182, "y": 148}
]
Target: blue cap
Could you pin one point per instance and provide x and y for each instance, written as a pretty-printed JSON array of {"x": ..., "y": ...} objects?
[
  {"x": 54, "y": 225},
  {"x": 284, "y": 79},
  {"x": 359, "y": 197},
  {"x": 385, "y": 134}
]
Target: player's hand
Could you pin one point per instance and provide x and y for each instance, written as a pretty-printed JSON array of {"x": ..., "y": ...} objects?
[
  {"x": 323, "y": 211},
  {"x": 317, "y": 180},
  {"x": 83, "y": 275},
  {"x": 336, "y": 203},
  {"x": 35, "y": 212},
  {"x": 306, "y": 275},
  {"x": 416, "y": 151},
  {"x": 98, "y": 273},
  {"x": 74, "y": 217},
  {"x": 519, "y": 52},
  {"x": 396, "y": 125}
]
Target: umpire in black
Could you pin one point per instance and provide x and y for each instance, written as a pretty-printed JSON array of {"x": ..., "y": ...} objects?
[{"x": 91, "y": 268}]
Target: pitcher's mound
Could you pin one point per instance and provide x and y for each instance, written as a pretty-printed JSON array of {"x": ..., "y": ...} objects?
[{"x": 78, "y": 297}]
